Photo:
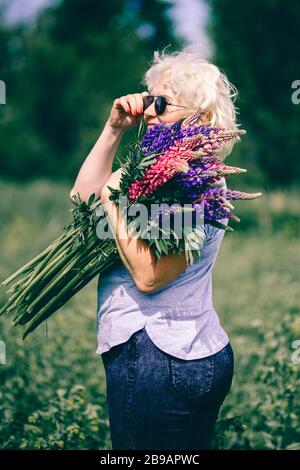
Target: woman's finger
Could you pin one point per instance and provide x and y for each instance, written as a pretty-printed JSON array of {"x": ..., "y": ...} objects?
[
  {"x": 136, "y": 103},
  {"x": 123, "y": 102},
  {"x": 140, "y": 103},
  {"x": 132, "y": 103}
]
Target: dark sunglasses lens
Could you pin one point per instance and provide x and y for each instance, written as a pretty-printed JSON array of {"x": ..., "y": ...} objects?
[
  {"x": 147, "y": 101},
  {"x": 160, "y": 105}
]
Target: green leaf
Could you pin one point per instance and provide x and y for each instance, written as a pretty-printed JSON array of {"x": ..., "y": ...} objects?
[
  {"x": 91, "y": 199},
  {"x": 225, "y": 227}
]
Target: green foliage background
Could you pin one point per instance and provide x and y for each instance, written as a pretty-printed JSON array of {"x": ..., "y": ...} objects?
[
  {"x": 52, "y": 393},
  {"x": 64, "y": 70},
  {"x": 62, "y": 74},
  {"x": 256, "y": 43}
]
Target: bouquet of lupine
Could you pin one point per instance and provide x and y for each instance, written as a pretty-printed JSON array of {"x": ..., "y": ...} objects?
[{"x": 172, "y": 168}]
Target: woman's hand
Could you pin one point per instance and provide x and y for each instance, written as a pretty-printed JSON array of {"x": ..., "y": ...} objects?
[{"x": 127, "y": 111}]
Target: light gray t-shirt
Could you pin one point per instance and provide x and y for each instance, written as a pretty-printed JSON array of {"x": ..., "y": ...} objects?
[{"x": 179, "y": 318}]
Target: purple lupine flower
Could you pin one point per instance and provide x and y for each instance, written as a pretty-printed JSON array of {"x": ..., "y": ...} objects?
[
  {"x": 199, "y": 173},
  {"x": 223, "y": 193},
  {"x": 196, "y": 179},
  {"x": 214, "y": 200},
  {"x": 162, "y": 136},
  {"x": 214, "y": 210}
]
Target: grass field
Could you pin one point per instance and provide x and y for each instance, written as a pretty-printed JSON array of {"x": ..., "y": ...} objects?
[{"x": 52, "y": 393}]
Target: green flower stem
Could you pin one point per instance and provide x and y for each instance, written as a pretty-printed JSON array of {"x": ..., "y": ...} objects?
[
  {"x": 28, "y": 313},
  {"x": 34, "y": 278},
  {"x": 81, "y": 259},
  {"x": 48, "y": 270},
  {"x": 52, "y": 286},
  {"x": 65, "y": 294}
]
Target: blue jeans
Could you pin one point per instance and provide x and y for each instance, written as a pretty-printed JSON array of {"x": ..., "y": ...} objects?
[{"x": 157, "y": 401}]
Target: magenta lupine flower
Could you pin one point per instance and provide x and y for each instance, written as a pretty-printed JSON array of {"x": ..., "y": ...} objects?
[
  {"x": 186, "y": 153},
  {"x": 166, "y": 166},
  {"x": 186, "y": 149}
]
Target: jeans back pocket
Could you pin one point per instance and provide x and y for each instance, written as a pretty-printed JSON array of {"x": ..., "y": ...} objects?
[{"x": 192, "y": 378}]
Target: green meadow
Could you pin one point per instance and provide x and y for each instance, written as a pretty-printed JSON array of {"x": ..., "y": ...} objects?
[{"x": 52, "y": 393}]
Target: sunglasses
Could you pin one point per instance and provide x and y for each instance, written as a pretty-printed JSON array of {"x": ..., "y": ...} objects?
[{"x": 160, "y": 104}]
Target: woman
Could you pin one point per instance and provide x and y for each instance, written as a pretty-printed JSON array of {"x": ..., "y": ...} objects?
[{"x": 168, "y": 361}]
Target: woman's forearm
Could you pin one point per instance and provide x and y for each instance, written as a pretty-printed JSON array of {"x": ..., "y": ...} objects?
[
  {"x": 97, "y": 167},
  {"x": 148, "y": 273},
  {"x": 134, "y": 252}
]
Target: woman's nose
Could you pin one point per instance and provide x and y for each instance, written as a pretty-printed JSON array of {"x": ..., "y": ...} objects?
[{"x": 150, "y": 111}]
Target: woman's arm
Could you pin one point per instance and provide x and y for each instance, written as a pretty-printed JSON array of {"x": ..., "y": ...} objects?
[
  {"x": 97, "y": 167},
  {"x": 148, "y": 272},
  {"x": 126, "y": 112}
]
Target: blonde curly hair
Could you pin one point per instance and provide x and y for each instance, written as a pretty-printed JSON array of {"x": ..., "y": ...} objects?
[{"x": 197, "y": 83}]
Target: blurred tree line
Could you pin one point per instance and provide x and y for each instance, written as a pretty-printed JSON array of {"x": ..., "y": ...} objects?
[
  {"x": 63, "y": 71},
  {"x": 257, "y": 45}
]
